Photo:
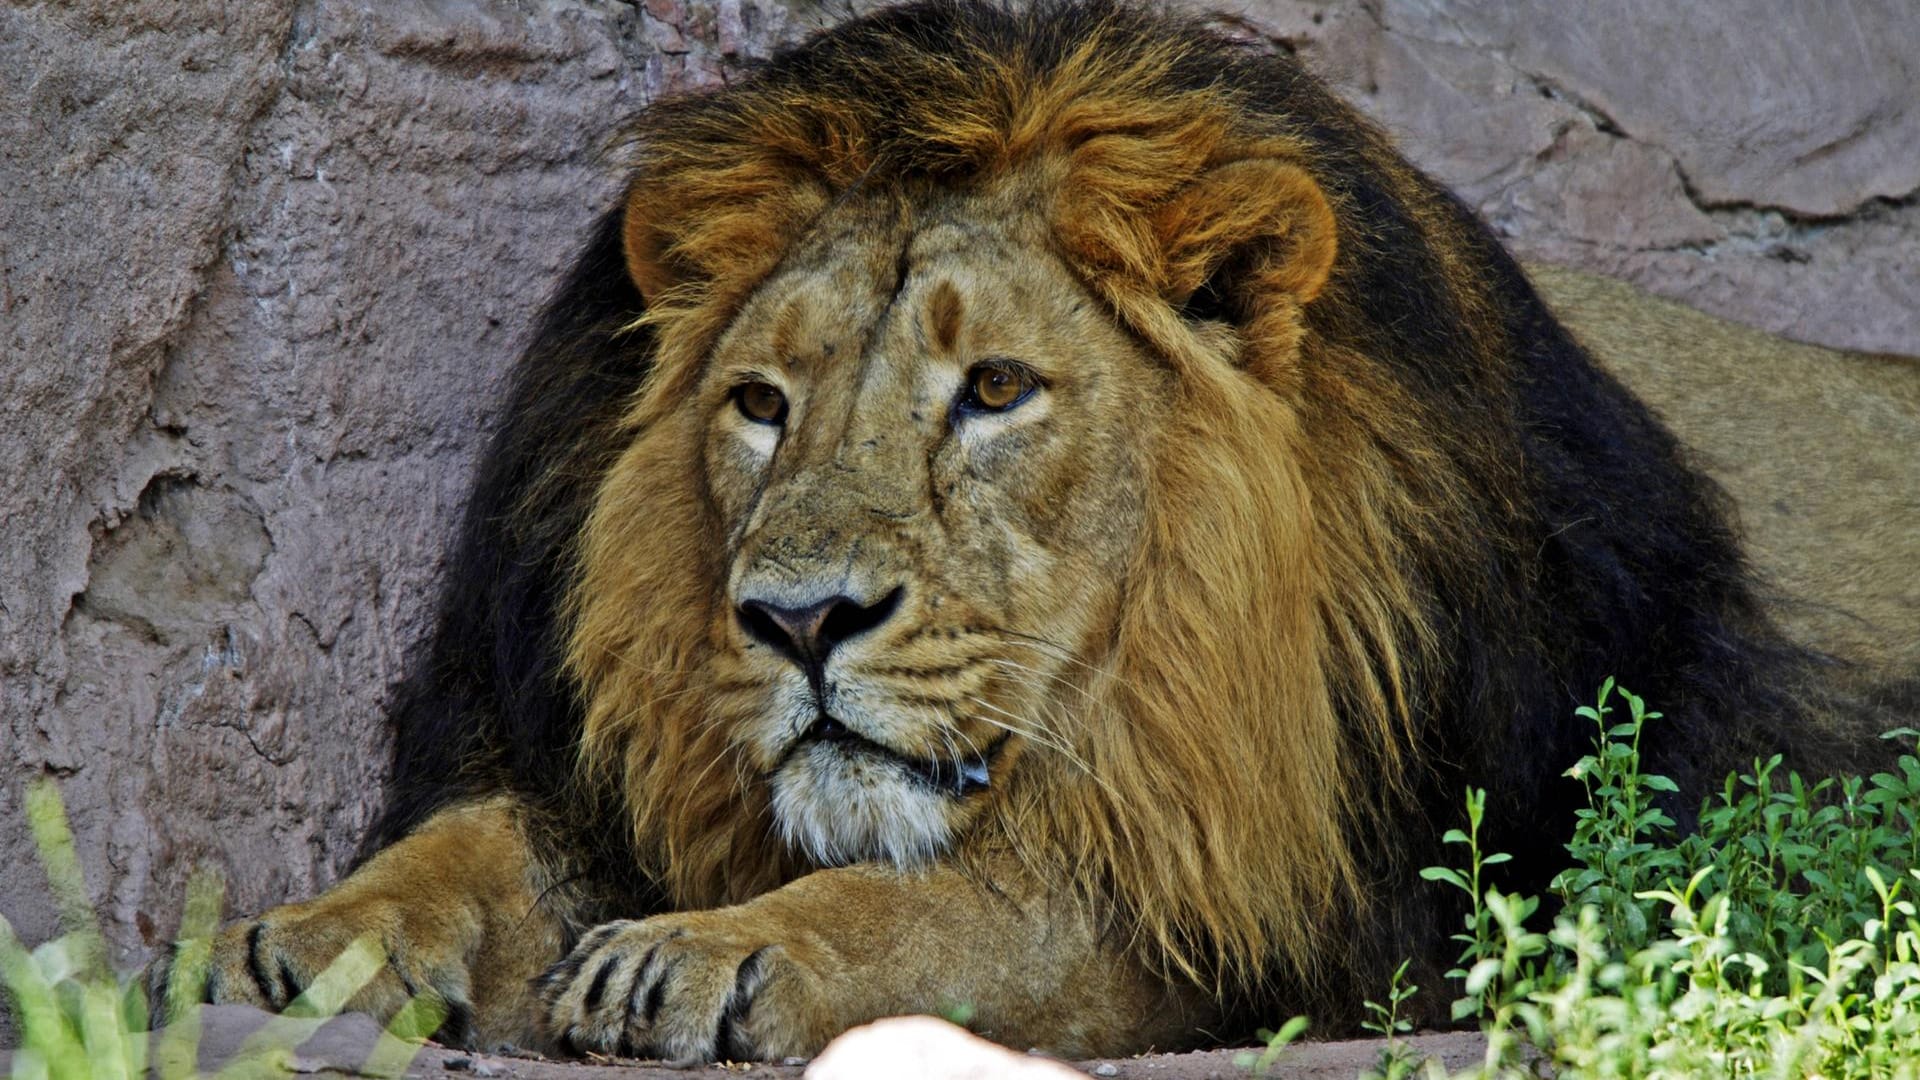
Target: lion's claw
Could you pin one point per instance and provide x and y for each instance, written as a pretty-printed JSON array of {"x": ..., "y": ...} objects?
[
  {"x": 269, "y": 961},
  {"x": 659, "y": 988}
]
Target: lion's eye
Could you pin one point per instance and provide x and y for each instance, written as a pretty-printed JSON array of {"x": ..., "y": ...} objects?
[
  {"x": 998, "y": 386},
  {"x": 762, "y": 403}
]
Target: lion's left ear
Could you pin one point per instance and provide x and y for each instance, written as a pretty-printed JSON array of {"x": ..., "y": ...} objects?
[{"x": 1248, "y": 232}]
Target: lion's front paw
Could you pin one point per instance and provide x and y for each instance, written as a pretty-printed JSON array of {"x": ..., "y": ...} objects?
[
  {"x": 271, "y": 960},
  {"x": 696, "y": 986}
]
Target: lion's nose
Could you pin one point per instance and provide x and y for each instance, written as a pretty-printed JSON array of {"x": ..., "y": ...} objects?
[{"x": 806, "y": 634}]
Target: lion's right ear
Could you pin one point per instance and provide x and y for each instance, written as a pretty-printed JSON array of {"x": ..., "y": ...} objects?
[
  {"x": 1186, "y": 223},
  {"x": 715, "y": 224},
  {"x": 646, "y": 252},
  {"x": 1243, "y": 235}
]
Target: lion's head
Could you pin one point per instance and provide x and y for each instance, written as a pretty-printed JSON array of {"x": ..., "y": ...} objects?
[
  {"x": 994, "y": 490},
  {"x": 918, "y": 445}
]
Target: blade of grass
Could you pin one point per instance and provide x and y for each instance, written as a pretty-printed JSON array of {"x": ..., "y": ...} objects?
[
  {"x": 103, "y": 1031},
  {"x": 179, "y": 1042},
  {"x": 400, "y": 1042},
  {"x": 324, "y": 997},
  {"x": 45, "y": 1033},
  {"x": 48, "y": 819}
]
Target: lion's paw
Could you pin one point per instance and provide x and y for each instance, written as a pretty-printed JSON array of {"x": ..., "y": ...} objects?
[
  {"x": 269, "y": 961},
  {"x": 690, "y": 987}
]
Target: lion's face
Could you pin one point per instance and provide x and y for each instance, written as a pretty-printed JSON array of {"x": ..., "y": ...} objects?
[{"x": 923, "y": 444}]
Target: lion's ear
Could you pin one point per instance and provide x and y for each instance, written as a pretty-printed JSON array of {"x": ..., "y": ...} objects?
[
  {"x": 715, "y": 224},
  {"x": 645, "y": 249},
  {"x": 1244, "y": 233}
]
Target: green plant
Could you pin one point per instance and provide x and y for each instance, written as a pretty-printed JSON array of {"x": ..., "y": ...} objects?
[
  {"x": 1779, "y": 939},
  {"x": 1397, "y": 1059},
  {"x": 80, "y": 1020},
  {"x": 1276, "y": 1044},
  {"x": 1481, "y": 952},
  {"x": 1615, "y": 846}
]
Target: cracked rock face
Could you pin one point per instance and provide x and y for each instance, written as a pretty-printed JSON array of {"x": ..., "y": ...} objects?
[
  {"x": 181, "y": 566},
  {"x": 1755, "y": 158},
  {"x": 263, "y": 265}
]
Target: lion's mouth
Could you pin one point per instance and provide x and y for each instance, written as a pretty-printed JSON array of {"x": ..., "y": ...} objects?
[{"x": 956, "y": 776}]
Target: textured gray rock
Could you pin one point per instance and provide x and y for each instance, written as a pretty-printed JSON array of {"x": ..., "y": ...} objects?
[
  {"x": 1754, "y": 158},
  {"x": 262, "y": 266}
]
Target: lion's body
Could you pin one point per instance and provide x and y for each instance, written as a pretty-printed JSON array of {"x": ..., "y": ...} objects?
[
  {"x": 1815, "y": 447},
  {"x": 1040, "y": 514}
]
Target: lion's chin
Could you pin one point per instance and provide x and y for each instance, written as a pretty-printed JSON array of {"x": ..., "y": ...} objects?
[{"x": 841, "y": 804}]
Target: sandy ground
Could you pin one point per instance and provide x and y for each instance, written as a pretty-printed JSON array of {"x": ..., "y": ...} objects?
[{"x": 916, "y": 1047}]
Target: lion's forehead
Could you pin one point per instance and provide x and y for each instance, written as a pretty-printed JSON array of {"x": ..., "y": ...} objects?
[{"x": 879, "y": 288}]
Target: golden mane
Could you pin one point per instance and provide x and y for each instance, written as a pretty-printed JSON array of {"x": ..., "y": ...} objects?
[{"x": 1255, "y": 706}]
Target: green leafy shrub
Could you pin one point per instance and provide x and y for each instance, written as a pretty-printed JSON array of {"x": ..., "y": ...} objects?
[
  {"x": 1397, "y": 1060},
  {"x": 1778, "y": 940}
]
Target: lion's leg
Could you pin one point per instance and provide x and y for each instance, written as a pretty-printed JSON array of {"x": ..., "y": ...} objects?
[
  {"x": 455, "y": 907},
  {"x": 784, "y": 973}
]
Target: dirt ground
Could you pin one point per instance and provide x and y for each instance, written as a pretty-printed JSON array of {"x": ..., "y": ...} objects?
[{"x": 892, "y": 1050}]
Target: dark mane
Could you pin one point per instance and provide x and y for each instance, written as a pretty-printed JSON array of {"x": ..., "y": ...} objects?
[{"x": 485, "y": 708}]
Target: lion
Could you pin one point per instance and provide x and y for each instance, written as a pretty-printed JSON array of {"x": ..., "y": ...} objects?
[{"x": 1036, "y": 514}]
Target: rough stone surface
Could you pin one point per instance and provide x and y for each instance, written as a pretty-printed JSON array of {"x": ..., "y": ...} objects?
[
  {"x": 1755, "y": 158},
  {"x": 262, "y": 266}
]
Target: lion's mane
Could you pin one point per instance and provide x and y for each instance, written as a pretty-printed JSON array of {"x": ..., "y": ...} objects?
[{"x": 1389, "y": 552}]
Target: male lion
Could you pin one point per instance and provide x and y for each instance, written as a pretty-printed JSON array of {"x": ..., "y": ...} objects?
[{"x": 1040, "y": 512}]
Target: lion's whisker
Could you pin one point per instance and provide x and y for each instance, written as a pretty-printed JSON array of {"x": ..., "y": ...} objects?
[
  {"x": 973, "y": 748},
  {"x": 1069, "y": 756},
  {"x": 1039, "y": 733},
  {"x": 1061, "y": 653},
  {"x": 1029, "y": 684},
  {"x": 1048, "y": 675}
]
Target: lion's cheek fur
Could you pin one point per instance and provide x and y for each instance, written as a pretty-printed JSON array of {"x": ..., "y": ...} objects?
[
  {"x": 643, "y": 635},
  {"x": 1228, "y": 732}
]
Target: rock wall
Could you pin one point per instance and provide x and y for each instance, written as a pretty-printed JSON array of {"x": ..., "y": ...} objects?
[
  {"x": 1759, "y": 159},
  {"x": 263, "y": 265}
]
